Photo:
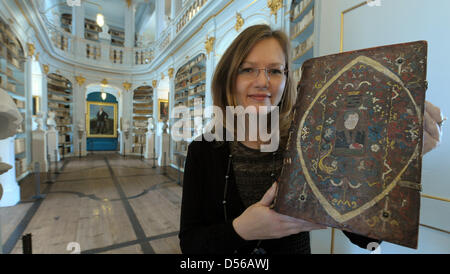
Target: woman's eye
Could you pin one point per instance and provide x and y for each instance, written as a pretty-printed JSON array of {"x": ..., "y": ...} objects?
[
  {"x": 247, "y": 70},
  {"x": 275, "y": 71}
]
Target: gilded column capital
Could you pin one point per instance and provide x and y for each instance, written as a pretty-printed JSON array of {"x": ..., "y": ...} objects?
[
  {"x": 46, "y": 69},
  {"x": 80, "y": 80},
  {"x": 170, "y": 72},
  {"x": 31, "y": 49},
  {"x": 209, "y": 44},
  {"x": 129, "y": 3},
  {"x": 154, "y": 83},
  {"x": 126, "y": 86}
]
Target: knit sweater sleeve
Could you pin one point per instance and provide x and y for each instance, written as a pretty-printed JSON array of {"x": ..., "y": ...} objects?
[{"x": 197, "y": 234}]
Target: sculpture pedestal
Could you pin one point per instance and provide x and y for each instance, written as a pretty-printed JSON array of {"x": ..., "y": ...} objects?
[
  {"x": 11, "y": 189},
  {"x": 39, "y": 149},
  {"x": 52, "y": 144},
  {"x": 163, "y": 149},
  {"x": 150, "y": 150}
]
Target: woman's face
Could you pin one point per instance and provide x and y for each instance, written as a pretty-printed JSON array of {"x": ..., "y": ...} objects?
[{"x": 257, "y": 91}]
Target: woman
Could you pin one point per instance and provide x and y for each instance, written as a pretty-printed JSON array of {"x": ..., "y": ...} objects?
[{"x": 228, "y": 187}]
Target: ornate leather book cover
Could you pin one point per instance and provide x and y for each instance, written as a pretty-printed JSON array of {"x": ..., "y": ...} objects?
[{"x": 354, "y": 155}]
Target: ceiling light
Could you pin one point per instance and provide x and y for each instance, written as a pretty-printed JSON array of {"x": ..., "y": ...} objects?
[
  {"x": 100, "y": 19},
  {"x": 103, "y": 95}
]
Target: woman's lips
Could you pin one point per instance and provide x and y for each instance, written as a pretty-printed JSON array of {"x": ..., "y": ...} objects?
[{"x": 259, "y": 97}]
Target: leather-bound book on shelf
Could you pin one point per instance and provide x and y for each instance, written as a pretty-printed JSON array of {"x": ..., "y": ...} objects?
[{"x": 354, "y": 155}]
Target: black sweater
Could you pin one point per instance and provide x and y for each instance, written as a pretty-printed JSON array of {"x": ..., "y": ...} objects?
[{"x": 203, "y": 229}]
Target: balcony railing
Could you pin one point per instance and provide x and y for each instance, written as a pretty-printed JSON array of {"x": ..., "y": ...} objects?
[
  {"x": 103, "y": 53},
  {"x": 190, "y": 10}
]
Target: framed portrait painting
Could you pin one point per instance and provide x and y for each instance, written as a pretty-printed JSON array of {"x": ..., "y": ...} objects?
[
  {"x": 101, "y": 120},
  {"x": 163, "y": 110}
]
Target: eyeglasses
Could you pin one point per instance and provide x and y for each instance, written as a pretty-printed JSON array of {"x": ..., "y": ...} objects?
[{"x": 272, "y": 73}]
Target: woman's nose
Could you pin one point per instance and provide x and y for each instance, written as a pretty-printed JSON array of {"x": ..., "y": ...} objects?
[{"x": 262, "y": 79}]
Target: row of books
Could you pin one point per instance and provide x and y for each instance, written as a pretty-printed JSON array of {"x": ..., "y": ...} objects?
[
  {"x": 303, "y": 24},
  {"x": 302, "y": 48},
  {"x": 143, "y": 111},
  {"x": 300, "y": 8},
  {"x": 21, "y": 166},
  {"x": 59, "y": 98},
  {"x": 19, "y": 103},
  {"x": 19, "y": 145}
]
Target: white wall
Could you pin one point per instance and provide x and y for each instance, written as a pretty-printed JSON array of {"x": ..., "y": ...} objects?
[{"x": 397, "y": 21}]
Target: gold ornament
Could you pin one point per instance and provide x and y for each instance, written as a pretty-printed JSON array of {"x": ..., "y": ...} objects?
[
  {"x": 154, "y": 83},
  {"x": 239, "y": 21},
  {"x": 31, "y": 49},
  {"x": 209, "y": 44},
  {"x": 170, "y": 72},
  {"x": 37, "y": 57},
  {"x": 162, "y": 75},
  {"x": 126, "y": 85},
  {"x": 274, "y": 6},
  {"x": 104, "y": 82},
  {"x": 80, "y": 80},
  {"x": 46, "y": 69}
]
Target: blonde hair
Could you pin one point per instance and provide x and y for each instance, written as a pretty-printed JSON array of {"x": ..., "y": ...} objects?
[{"x": 225, "y": 75}]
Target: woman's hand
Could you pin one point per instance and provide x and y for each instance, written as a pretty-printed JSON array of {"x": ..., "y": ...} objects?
[
  {"x": 259, "y": 221},
  {"x": 432, "y": 131}
]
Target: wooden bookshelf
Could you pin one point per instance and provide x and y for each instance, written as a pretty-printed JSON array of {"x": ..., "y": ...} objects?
[
  {"x": 301, "y": 33},
  {"x": 142, "y": 111},
  {"x": 60, "y": 101},
  {"x": 92, "y": 30},
  {"x": 12, "y": 79},
  {"x": 190, "y": 87}
]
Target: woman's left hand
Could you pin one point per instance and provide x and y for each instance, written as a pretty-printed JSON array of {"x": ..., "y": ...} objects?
[{"x": 432, "y": 127}]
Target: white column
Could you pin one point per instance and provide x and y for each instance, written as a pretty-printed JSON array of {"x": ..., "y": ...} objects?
[
  {"x": 78, "y": 20},
  {"x": 160, "y": 14},
  {"x": 44, "y": 104},
  {"x": 130, "y": 14},
  {"x": 78, "y": 29},
  {"x": 210, "y": 65},
  {"x": 171, "y": 106},
  {"x": 79, "y": 116},
  {"x": 29, "y": 106},
  {"x": 173, "y": 10},
  {"x": 127, "y": 116}
]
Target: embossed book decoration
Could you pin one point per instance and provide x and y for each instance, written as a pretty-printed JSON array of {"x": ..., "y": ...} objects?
[{"x": 354, "y": 156}]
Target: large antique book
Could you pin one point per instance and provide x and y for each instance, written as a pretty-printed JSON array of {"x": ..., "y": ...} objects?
[{"x": 354, "y": 155}]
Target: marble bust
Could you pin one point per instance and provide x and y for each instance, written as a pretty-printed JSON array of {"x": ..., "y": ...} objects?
[
  {"x": 150, "y": 125},
  {"x": 165, "y": 126},
  {"x": 51, "y": 123},
  {"x": 104, "y": 35}
]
